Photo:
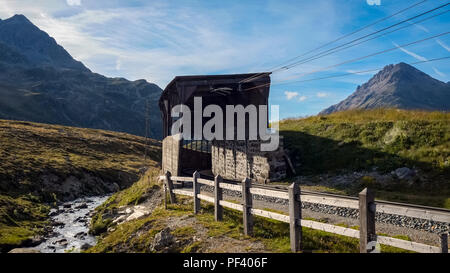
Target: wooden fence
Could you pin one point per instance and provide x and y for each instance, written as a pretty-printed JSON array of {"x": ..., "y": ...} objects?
[{"x": 368, "y": 240}]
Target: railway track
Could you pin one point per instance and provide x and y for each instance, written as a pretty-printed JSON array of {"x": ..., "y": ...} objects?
[
  {"x": 380, "y": 202},
  {"x": 409, "y": 216},
  {"x": 387, "y": 207}
]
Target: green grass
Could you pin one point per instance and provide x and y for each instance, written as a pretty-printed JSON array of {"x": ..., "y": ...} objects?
[
  {"x": 31, "y": 150},
  {"x": 20, "y": 219},
  {"x": 184, "y": 231},
  {"x": 356, "y": 139},
  {"x": 133, "y": 195},
  {"x": 137, "y": 235},
  {"x": 192, "y": 248},
  {"x": 275, "y": 234},
  {"x": 383, "y": 138}
]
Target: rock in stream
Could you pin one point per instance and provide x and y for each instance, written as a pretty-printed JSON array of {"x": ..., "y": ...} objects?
[{"x": 70, "y": 226}]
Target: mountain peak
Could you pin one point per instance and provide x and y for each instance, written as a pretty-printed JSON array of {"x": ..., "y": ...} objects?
[
  {"x": 392, "y": 68},
  {"x": 18, "y": 18},
  {"x": 395, "y": 68},
  {"x": 398, "y": 86},
  {"x": 43, "y": 83},
  {"x": 39, "y": 49}
]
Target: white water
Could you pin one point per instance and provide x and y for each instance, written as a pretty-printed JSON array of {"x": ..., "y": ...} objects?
[{"x": 76, "y": 221}]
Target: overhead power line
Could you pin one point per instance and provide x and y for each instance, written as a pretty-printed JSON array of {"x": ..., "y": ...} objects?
[
  {"x": 340, "y": 38},
  {"x": 363, "y": 41},
  {"x": 361, "y": 58},
  {"x": 352, "y": 43},
  {"x": 365, "y": 36},
  {"x": 359, "y": 72}
]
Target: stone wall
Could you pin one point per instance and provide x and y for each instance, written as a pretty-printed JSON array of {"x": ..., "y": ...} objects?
[{"x": 236, "y": 160}]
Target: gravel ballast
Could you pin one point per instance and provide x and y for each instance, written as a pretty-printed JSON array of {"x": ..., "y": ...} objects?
[{"x": 392, "y": 219}]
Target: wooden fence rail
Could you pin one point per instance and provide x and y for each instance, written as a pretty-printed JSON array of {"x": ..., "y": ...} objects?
[
  {"x": 414, "y": 211},
  {"x": 369, "y": 241}
]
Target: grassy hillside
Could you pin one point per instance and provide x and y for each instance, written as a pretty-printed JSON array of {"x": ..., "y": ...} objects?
[
  {"x": 45, "y": 164},
  {"x": 381, "y": 139}
]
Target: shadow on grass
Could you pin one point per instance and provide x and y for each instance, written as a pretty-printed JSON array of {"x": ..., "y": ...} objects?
[
  {"x": 275, "y": 234},
  {"x": 314, "y": 155}
]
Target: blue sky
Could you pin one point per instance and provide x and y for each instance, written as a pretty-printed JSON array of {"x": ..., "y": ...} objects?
[{"x": 157, "y": 40}]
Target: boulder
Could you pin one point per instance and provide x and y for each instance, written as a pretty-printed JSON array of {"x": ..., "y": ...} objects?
[
  {"x": 404, "y": 173},
  {"x": 80, "y": 219},
  {"x": 61, "y": 242},
  {"x": 24, "y": 250},
  {"x": 53, "y": 212},
  {"x": 34, "y": 241},
  {"x": 129, "y": 211},
  {"x": 82, "y": 206},
  {"x": 80, "y": 235},
  {"x": 120, "y": 219},
  {"x": 115, "y": 187},
  {"x": 136, "y": 215},
  {"x": 162, "y": 240},
  {"x": 58, "y": 224},
  {"x": 85, "y": 246}
]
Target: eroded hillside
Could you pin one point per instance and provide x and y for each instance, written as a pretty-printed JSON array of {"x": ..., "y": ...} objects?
[{"x": 45, "y": 164}]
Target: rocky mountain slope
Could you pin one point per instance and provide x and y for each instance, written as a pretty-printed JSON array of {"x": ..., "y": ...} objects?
[
  {"x": 398, "y": 86},
  {"x": 41, "y": 82}
]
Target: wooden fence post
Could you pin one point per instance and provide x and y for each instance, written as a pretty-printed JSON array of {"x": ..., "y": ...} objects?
[
  {"x": 196, "y": 190},
  {"x": 165, "y": 194},
  {"x": 218, "y": 210},
  {"x": 295, "y": 215},
  {"x": 444, "y": 242},
  {"x": 169, "y": 184},
  {"x": 247, "y": 207},
  {"x": 366, "y": 219}
]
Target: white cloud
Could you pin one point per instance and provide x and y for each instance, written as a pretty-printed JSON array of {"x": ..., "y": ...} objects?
[
  {"x": 294, "y": 96},
  {"x": 160, "y": 40},
  {"x": 118, "y": 64},
  {"x": 445, "y": 46},
  {"x": 199, "y": 48},
  {"x": 290, "y": 95},
  {"x": 439, "y": 72},
  {"x": 73, "y": 2},
  {"x": 302, "y": 98},
  {"x": 412, "y": 54},
  {"x": 373, "y": 2},
  {"x": 322, "y": 94},
  {"x": 441, "y": 43},
  {"x": 419, "y": 26}
]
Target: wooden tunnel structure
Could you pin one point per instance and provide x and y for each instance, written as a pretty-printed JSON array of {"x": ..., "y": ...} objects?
[{"x": 232, "y": 159}]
